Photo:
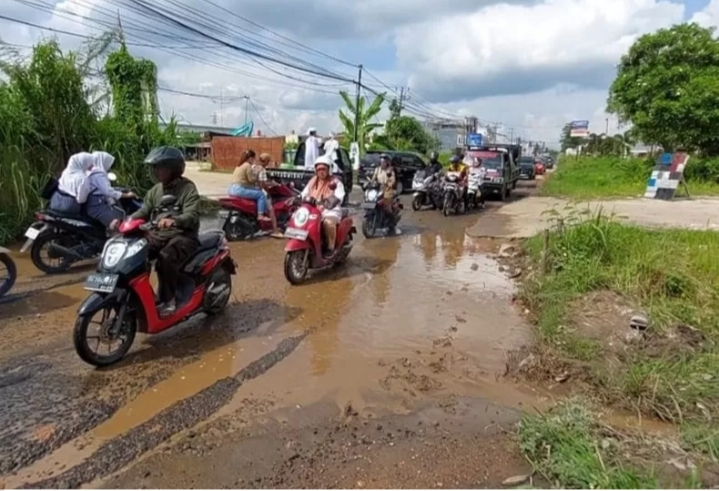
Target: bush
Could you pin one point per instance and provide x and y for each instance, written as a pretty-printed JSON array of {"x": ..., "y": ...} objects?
[{"x": 45, "y": 117}]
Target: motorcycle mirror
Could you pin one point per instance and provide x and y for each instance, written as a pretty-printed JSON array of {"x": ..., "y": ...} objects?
[
  {"x": 167, "y": 200},
  {"x": 112, "y": 176}
]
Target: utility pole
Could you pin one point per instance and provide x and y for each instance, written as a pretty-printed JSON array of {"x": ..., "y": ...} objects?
[
  {"x": 511, "y": 135},
  {"x": 357, "y": 103},
  {"x": 401, "y": 99},
  {"x": 247, "y": 108},
  {"x": 222, "y": 107},
  {"x": 606, "y": 130},
  {"x": 120, "y": 32}
]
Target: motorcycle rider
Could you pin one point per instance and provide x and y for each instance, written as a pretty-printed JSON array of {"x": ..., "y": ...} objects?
[
  {"x": 176, "y": 237},
  {"x": 476, "y": 169},
  {"x": 329, "y": 193},
  {"x": 435, "y": 165},
  {"x": 385, "y": 176},
  {"x": 456, "y": 165}
]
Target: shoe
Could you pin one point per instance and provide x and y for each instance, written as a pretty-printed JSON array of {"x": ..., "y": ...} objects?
[{"x": 166, "y": 309}]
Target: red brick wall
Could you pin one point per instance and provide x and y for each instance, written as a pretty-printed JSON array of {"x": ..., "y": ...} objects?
[{"x": 227, "y": 150}]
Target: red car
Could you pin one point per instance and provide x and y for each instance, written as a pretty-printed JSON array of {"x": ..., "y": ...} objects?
[{"x": 539, "y": 167}]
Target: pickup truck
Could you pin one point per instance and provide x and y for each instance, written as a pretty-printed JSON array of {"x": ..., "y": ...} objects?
[
  {"x": 300, "y": 176},
  {"x": 500, "y": 160}
]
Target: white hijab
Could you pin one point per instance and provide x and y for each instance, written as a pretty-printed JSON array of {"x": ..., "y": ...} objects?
[
  {"x": 102, "y": 162},
  {"x": 74, "y": 178}
]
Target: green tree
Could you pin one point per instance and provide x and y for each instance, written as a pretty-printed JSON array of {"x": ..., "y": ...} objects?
[
  {"x": 362, "y": 113},
  {"x": 667, "y": 86},
  {"x": 407, "y": 133}
]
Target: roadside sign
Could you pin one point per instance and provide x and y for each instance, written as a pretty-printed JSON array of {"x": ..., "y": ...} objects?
[
  {"x": 474, "y": 140},
  {"x": 579, "y": 129},
  {"x": 667, "y": 176}
]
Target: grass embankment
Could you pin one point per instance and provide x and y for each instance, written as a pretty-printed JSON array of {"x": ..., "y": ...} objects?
[
  {"x": 598, "y": 274},
  {"x": 612, "y": 177}
]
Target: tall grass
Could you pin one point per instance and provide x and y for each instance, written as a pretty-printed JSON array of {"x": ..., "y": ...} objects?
[
  {"x": 672, "y": 274},
  {"x": 45, "y": 117},
  {"x": 608, "y": 177}
]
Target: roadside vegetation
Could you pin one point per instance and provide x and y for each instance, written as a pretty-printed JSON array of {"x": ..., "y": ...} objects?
[
  {"x": 56, "y": 103},
  {"x": 593, "y": 177},
  {"x": 630, "y": 318}
]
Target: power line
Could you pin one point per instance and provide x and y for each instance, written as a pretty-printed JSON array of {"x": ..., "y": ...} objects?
[{"x": 252, "y": 103}]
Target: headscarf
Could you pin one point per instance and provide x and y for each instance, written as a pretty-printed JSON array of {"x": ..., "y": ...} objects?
[
  {"x": 102, "y": 162},
  {"x": 74, "y": 176}
]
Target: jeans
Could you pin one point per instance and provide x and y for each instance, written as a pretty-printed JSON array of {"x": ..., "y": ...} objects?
[{"x": 250, "y": 193}]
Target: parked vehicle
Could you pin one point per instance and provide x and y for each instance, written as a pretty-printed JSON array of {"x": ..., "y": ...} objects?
[
  {"x": 452, "y": 200},
  {"x": 240, "y": 214},
  {"x": 300, "y": 176},
  {"x": 539, "y": 167},
  {"x": 306, "y": 248},
  {"x": 527, "y": 169},
  {"x": 376, "y": 218},
  {"x": 68, "y": 238},
  {"x": 405, "y": 164},
  {"x": 426, "y": 191},
  {"x": 8, "y": 271},
  {"x": 122, "y": 291}
]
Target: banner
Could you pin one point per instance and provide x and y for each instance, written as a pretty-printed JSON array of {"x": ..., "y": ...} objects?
[
  {"x": 579, "y": 129},
  {"x": 666, "y": 176}
]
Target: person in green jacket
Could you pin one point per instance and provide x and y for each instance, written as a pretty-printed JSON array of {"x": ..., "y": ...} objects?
[{"x": 176, "y": 236}]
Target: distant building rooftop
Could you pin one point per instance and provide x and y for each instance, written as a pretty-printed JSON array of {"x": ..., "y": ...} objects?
[{"x": 192, "y": 128}]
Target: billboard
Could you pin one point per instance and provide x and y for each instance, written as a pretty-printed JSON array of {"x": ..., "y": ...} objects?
[
  {"x": 579, "y": 129},
  {"x": 474, "y": 140}
]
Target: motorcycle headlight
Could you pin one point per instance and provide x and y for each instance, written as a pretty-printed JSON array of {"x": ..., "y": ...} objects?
[
  {"x": 372, "y": 195},
  {"x": 301, "y": 216},
  {"x": 113, "y": 254}
]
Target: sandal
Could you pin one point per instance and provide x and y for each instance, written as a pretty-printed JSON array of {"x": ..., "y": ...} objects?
[{"x": 277, "y": 235}]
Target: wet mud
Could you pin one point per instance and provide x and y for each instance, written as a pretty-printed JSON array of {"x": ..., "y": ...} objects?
[{"x": 411, "y": 326}]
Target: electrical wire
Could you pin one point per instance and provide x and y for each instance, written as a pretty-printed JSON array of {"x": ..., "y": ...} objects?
[{"x": 252, "y": 103}]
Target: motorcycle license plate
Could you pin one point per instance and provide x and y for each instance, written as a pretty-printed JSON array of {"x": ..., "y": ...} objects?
[
  {"x": 368, "y": 205},
  {"x": 101, "y": 282},
  {"x": 295, "y": 233},
  {"x": 32, "y": 233}
]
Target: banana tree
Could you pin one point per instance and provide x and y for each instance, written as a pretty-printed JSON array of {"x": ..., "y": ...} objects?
[{"x": 363, "y": 114}]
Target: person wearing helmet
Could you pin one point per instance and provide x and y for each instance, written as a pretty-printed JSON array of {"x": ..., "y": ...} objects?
[
  {"x": 456, "y": 165},
  {"x": 176, "y": 237},
  {"x": 435, "y": 166},
  {"x": 386, "y": 177},
  {"x": 329, "y": 193}
]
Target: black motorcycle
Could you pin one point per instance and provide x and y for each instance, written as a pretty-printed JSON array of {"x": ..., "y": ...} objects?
[
  {"x": 453, "y": 200},
  {"x": 68, "y": 239},
  {"x": 376, "y": 217},
  {"x": 8, "y": 271}
]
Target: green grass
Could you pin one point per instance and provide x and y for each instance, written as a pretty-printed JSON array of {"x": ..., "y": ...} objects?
[
  {"x": 612, "y": 177},
  {"x": 566, "y": 447},
  {"x": 672, "y": 274}
]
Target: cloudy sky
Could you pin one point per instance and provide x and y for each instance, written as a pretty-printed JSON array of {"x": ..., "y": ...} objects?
[{"x": 528, "y": 65}]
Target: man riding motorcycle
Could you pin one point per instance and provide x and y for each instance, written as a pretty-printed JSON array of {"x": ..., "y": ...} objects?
[
  {"x": 328, "y": 192},
  {"x": 457, "y": 166},
  {"x": 434, "y": 164},
  {"x": 176, "y": 237},
  {"x": 385, "y": 176}
]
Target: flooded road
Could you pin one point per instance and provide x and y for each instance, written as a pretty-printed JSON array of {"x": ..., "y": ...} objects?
[{"x": 368, "y": 375}]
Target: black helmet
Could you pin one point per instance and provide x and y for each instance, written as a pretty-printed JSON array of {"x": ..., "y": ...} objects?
[
  {"x": 170, "y": 157},
  {"x": 385, "y": 156},
  {"x": 455, "y": 159}
]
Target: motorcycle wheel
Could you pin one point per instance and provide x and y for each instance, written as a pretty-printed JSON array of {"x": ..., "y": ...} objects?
[
  {"x": 81, "y": 339},
  {"x": 369, "y": 226},
  {"x": 9, "y": 280},
  {"x": 417, "y": 203},
  {"x": 49, "y": 239},
  {"x": 296, "y": 267},
  {"x": 217, "y": 297},
  {"x": 447, "y": 205},
  {"x": 240, "y": 230}
]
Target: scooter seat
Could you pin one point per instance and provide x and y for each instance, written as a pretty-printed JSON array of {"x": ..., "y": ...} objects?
[
  {"x": 58, "y": 215},
  {"x": 210, "y": 239}
]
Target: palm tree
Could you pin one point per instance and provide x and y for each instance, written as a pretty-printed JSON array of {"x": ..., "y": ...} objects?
[{"x": 366, "y": 125}]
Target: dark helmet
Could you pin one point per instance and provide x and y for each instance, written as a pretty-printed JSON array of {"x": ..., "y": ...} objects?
[
  {"x": 433, "y": 156},
  {"x": 455, "y": 159},
  {"x": 169, "y": 157}
]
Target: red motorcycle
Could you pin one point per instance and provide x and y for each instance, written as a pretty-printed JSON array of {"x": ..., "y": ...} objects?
[
  {"x": 307, "y": 249},
  {"x": 240, "y": 214},
  {"x": 122, "y": 291}
]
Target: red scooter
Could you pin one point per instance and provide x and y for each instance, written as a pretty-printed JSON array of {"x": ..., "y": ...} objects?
[
  {"x": 240, "y": 214},
  {"x": 306, "y": 248},
  {"x": 121, "y": 289}
]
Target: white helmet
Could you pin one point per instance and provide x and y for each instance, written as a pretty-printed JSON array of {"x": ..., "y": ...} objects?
[{"x": 324, "y": 160}]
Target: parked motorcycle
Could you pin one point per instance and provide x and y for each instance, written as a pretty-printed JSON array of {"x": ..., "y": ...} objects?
[
  {"x": 306, "y": 248},
  {"x": 453, "y": 201},
  {"x": 475, "y": 197},
  {"x": 122, "y": 291},
  {"x": 376, "y": 217},
  {"x": 240, "y": 214},
  {"x": 8, "y": 271},
  {"x": 69, "y": 238},
  {"x": 425, "y": 191}
]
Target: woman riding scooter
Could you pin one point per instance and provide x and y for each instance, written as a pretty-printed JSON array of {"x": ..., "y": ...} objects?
[{"x": 326, "y": 189}]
